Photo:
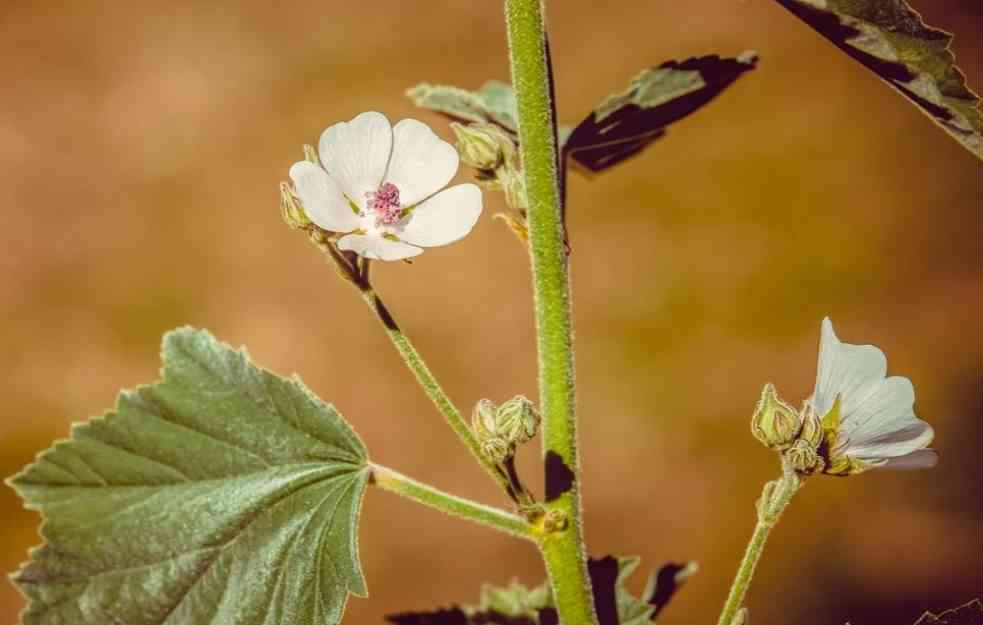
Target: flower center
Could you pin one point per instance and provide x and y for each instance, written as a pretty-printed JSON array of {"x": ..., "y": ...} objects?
[{"x": 384, "y": 204}]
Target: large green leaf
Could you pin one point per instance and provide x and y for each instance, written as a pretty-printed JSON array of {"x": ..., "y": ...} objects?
[
  {"x": 627, "y": 122},
  {"x": 890, "y": 39},
  {"x": 222, "y": 494}
]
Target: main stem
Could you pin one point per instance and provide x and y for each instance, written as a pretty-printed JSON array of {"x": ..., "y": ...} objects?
[
  {"x": 563, "y": 550},
  {"x": 774, "y": 500},
  {"x": 388, "y": 479}
]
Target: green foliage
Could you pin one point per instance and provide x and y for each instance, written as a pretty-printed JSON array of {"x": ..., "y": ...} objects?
[
  {"x": 968, "y": 614},
  {"x": 626, "y": 123},
  {"x": 514, "y": 601},
  {"x": 890, "y": 38},
  {"x": 494, "y": 103},
  {"x": 622, "y": 125},
  {"x": 516, "y": 604},
  {"x": 221, "y": 494}
]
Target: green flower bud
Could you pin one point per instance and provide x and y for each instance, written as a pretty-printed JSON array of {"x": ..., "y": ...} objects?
[
  {"x": 514, "y": 185},
  {"x": 804, "y": 458},
  {"x": 310, "y": 155},
  {"x": 496, "y": 449},
  {"x": 483, "y": 146},
  {"x": 483, "y": 420},
  {"x": 291, "y": 208},
  {"x": 812, "y": 427},
  {"x": 518, "y": 420},
  {"x": 774, "y": 423}
]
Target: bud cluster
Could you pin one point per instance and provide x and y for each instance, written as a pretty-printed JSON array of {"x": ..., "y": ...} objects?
[
  {"x": 500, "y": 428},
  {"x": 797, "y": 435},
  {"x": 493, "y": 152}
]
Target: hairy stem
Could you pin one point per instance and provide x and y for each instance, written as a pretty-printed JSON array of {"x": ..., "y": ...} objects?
[
  {"x": 358, "y": 275},
  {"x": 774, "y": 499},
  {"x": 395, "y": 482},
  {"x": 563, "y": 550}
]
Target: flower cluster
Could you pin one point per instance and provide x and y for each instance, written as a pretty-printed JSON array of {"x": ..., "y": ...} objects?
[{"x": 856, "y": 419}]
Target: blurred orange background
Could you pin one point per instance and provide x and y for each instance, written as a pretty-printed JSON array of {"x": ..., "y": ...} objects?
[{"x": 140, "y": 150}]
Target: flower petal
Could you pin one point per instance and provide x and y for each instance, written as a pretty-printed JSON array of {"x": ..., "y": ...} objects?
[
  {"x": 852, "y": 371},
  {"x": 444, "y": 218},
  {"x": 322, "y": 198},
  {"x": 356, "y": 153},
  {"x": 422, "y": 163},
  {"x": 884, "y": 424},
  {"x": 377, "y": 248},
  {"x": 893, "y": 441},
  {"x": 920, "y": 459}
]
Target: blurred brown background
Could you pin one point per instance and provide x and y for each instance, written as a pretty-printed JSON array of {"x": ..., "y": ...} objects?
[{"x": 140, "y": 150}]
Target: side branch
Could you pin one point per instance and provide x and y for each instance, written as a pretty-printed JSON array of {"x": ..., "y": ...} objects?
[
  {"x": 395, "y": 482},
  {"x": 357, "y": 273}
]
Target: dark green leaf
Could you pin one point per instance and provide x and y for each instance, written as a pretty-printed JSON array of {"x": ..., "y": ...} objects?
[
  {"x": 968, "y": 614},
  {"x": 626, "y": 123},
  {"x": 890, "y": 39},
  {"x": 222, "y": 494}
]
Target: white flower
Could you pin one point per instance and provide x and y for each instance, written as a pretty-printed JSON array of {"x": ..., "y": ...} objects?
[
  {"x": 382, "y": 184},
  {"x": 876, "y": 424}
]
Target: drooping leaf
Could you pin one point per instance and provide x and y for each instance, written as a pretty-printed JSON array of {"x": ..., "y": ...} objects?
[
  {"x": 664, "y": 582},
  {"x": 626, "y": 123},
  {"x": 622, "y": 125},
  {"x": 493, "y": 103},
  {"x": 516, "y": 604},
  {"x": 615, "y": 605},
  {"x": 222, "y": 494},
  {"x": 968, "y": 614},
  {"x": 890, "y": 38}
]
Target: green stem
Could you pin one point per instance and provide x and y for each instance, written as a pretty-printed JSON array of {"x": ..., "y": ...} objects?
[
  {"x": 395, "y": 482},
  {"x": 563, "y": 550},
  {"x": 774, "y": 499},
  {"x": 358, "y": 275}
]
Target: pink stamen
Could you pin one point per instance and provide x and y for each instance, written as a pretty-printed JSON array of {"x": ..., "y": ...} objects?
[{"x": 385, "y": 204}]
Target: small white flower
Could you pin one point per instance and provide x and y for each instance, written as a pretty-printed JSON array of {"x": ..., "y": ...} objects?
[
  {"x": 877, "y": 426},
  {"x": 381, "y": 185}
]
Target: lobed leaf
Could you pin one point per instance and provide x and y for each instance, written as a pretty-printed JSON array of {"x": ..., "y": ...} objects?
[
  {"x": 891, "y": 39},
  {"x": 626, "y": 123},
  {"x": 222, "y": 494}
]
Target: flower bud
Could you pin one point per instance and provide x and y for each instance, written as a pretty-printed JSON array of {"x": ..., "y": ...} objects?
[
  {"x": 518, "y": 420},
  {"x": 310, "y": 155},
  {"x": 482, "y": 146},
  {"x": 483, "y": 419},
  {"x": 514, "y": 185},
  {"x": 774, "y": 423},
  {"x": 496, "y": 449},
  {"x": 291, "y": 208},
  {"x": 812, "y": 427},
  {"x": 803, "y": 457}
]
